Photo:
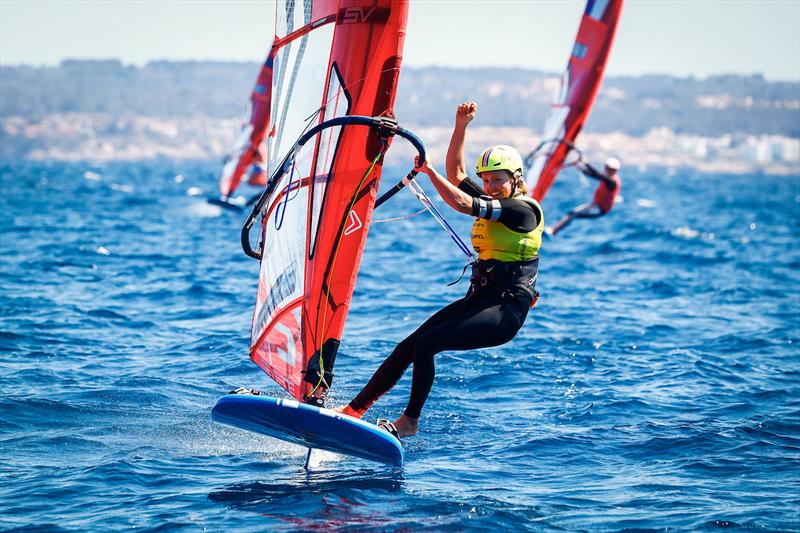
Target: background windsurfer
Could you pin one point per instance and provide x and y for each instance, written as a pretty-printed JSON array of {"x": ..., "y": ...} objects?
[
  {"x": 604, "y": 195},
  {"x": 506, "y": 234}
]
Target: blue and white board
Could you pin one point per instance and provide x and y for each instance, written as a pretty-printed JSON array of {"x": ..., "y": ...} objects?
[{"x": 309, "y": 426}]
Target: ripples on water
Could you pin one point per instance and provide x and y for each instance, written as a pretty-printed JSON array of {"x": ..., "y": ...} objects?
[{"x": 656, "y": 384}]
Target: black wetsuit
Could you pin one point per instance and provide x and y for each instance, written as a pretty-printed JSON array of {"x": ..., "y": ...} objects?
[{"x": 489, "y": 315}]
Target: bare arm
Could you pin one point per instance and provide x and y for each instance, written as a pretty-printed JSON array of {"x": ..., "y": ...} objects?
[
  {"x": 451, "y": 194},
  {"x": 454, "y": 164}
]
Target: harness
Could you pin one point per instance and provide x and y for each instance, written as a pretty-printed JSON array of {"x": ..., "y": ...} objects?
[{"x": 491, "y": 277}]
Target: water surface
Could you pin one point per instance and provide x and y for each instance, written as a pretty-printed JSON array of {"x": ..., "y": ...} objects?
[{"x": 655, "y": 385}]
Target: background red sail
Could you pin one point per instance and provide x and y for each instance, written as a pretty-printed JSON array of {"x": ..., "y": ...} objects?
[{"x": 580, "y": 85}]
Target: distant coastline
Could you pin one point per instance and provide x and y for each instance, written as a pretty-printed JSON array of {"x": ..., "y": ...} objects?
[{"x": 105, "y": 111}]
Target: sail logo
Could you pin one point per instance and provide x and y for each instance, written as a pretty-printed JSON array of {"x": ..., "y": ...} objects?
[
  {"x": 289, "y": 356},
  {"x": 355, "y": 224},
  {"x": 351, "y": 15}
]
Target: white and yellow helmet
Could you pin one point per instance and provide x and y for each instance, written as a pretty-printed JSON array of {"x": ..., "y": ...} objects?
[{"x": 499, "y": 157}]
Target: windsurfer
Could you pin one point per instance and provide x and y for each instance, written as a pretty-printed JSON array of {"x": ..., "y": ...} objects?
[
  {"x": 506, "y": 234},
  {"x": 604, "y": 195}
]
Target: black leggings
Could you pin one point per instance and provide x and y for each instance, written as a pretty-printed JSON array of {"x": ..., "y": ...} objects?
[{"x": 477, "y": 321}]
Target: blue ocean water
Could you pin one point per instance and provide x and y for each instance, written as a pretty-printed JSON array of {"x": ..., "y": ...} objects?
[{"x": 655, "y": 386}]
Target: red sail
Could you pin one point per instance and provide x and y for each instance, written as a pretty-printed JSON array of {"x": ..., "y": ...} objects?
[
  {"x": 579, "y": 87},
  {"x": 248, "y": 146},
  {"x": 315, "y": 223}
]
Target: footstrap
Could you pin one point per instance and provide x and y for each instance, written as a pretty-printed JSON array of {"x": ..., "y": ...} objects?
[{"x": 388, "y": 426}]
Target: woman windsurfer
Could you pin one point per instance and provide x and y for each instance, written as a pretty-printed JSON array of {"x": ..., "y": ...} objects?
[{"x": 506, "y": 234}]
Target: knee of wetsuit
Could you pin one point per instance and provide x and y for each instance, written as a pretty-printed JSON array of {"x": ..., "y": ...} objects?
[{"x": 424, "y": 350}]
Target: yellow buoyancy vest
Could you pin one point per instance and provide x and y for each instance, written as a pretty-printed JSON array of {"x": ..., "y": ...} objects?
[{"x": 494, "y": 240}]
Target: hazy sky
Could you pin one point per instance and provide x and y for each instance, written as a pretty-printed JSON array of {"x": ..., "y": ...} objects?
[{"x": 678, "y": 37}]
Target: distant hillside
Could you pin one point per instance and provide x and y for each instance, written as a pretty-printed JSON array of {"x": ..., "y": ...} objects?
[
  {"x": 515, "y": 97},
  {"x": 161, "y": 89},
  {"x": 427, "y": 96}
]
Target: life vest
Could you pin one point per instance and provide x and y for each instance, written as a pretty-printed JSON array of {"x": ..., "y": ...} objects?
[
  {"x": 508, "y": 260},
  {"x": 604, "y": 196},
  {"x": 494, "y": 240}
]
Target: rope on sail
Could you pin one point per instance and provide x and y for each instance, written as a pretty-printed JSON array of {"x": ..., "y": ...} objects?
[
  {"x": 351, "y": 205},
  {"x": 394, "y": 219},
  {"x": 416, "y": 189}
]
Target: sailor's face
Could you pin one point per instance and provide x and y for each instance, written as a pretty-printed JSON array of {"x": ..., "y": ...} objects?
[{"x": 497, "y": 183}]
